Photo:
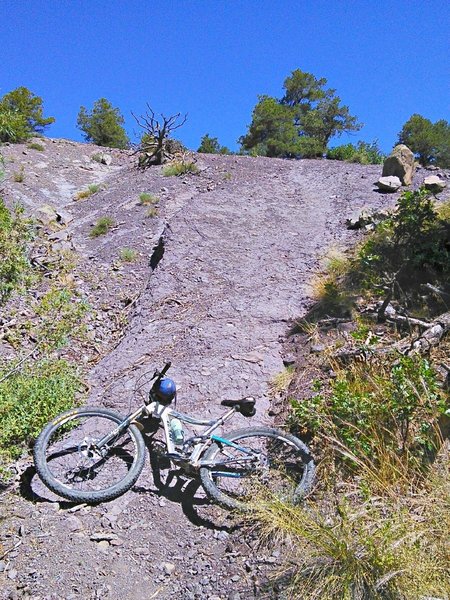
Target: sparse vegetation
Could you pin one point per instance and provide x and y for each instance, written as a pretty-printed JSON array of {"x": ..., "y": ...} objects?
[
  {"x": 102, "y": 226},
  {"x": 36, "y": 146},
  {"x": 128, "y": 255},
  {"x": 357, "y": 545},
  {"x": 151, "y": 212},
  {"x": 145, "y": 198},
  {"x": 19, "y": 176},
  {"x": 179, "y": 167},
  {"x": 89, "y": 191},
  {"x": 405, "y": 252}
]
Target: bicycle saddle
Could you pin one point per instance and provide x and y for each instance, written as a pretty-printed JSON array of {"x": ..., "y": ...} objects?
[{"x": 246, "y": 406}]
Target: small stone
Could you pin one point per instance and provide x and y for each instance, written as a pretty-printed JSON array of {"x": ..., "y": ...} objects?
[
  {"x": 168, "y": 568},
  {"x": 235, "y": 578},
  {"x": 103, "y": 536},
  {"x": 317, "y": 348},
  {"x": 434, "y": 184},
  {"x": 103, "y": 545},
  {"x": 12, "y": 574},
  {"x": 74, "y": 523},
  {"x": 2, "y": 566},
  {"x": 389, "y": 184}
]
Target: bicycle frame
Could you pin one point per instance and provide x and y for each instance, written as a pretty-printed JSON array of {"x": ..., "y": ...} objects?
[{"x": 202, "y": 441}]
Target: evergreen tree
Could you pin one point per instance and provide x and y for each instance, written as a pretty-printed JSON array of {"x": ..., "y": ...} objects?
[
  {"x": 103, "y": 125},
  {"x": 300, "y": 123},
  {"x": 210, "y": 145},
  {"x": 429, "y": 142},
  {"x": 21, "y": 115}
]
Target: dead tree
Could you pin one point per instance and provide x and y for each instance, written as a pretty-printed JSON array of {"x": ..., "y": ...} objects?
[{"x": 155, "y": 148}]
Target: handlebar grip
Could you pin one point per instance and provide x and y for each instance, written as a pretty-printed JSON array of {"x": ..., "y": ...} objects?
[{"x": 166, "y": 368}]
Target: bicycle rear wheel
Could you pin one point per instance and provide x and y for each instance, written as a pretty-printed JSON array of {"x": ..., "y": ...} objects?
[
  {"x": 68, "y": 462},
  {"x": 261, "y": 461}
]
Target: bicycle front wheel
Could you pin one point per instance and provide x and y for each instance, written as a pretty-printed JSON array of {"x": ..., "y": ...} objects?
[
  {"x": 69, "y": 463},
  {"x": 259, "y": 461}
]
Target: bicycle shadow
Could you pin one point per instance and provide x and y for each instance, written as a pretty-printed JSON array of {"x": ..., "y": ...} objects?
[
  {"x": 175, "y": 485},
  {"x": 172, "y": 484}
]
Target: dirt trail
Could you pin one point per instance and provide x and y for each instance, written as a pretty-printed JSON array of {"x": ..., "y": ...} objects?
[{"x": 234, "y": 251}]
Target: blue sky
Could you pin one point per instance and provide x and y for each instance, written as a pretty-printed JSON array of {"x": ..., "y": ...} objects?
[{"x": 211, "y": 58}]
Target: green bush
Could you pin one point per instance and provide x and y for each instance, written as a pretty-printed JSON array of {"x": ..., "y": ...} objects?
[
  {"x": 102, "y": 226},
  {"x": 414, "y": 244},
  {"x": 15, "y": 233},
  {"x": 392, "y": 406},
  {"x": 29, "y": 398},
  {"x": 363, "y": 153},
  {"x": 13, "y": 126}
]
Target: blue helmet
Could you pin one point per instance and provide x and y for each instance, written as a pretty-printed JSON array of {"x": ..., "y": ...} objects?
[{"x": 166, "y": 390}]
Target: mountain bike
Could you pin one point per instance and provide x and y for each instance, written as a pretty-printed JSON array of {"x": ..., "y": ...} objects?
[{"x": 92, "y": 454}]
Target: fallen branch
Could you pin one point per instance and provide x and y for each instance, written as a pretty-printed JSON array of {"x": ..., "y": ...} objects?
[{"x": 431, "y": 337}]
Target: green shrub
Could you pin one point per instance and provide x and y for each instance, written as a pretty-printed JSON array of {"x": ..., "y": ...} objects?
[
  {"x": 103, "y": 125},
  {"x": 179, "y": 168},
  {"x": 29, "y": 398},
  {"x": 146, "y": 198},
  {"x": 363, "y": 153},
  {"x": 21, "y": 115},
  {"x": 414, "y": 244},
  {"x": 13, "y": 126},
  {"x": 128, "y": 255},
  {"x": 15, "y": 233},
  {"x": 102, "y": 226},
  {"x": 372, "y": 409}
]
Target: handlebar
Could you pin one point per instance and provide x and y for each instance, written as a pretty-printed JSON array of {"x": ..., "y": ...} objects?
[{"x": 158, "y": 375}]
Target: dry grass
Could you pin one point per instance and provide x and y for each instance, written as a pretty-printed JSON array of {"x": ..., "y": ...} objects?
[
  {"x": 281, "y": 382},
  {"x": 361, "y": 545}
]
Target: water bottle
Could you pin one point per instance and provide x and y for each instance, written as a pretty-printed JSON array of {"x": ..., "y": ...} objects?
[{"x": 176, "y": 431}]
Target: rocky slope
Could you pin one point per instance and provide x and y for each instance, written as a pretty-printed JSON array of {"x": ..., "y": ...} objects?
[{"x": 222, "y": 269}]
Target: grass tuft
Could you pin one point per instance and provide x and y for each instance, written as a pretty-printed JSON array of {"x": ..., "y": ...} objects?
[
  {"x": 91, "y": 189},
  {"x": 177, "y": 168},
  {"x": 36, "y": 146},
  {"x": 128, "y": 255},
  {"x": 102, "y": 226},
  {"x": 145, "y": 198}
]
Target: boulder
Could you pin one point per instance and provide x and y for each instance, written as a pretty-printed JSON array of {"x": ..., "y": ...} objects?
[
  {"x": 434, "y": 184},
  {"x": 106, "y": 159},
  {"x": 46, "y": 214},
  {"x": 400, "y": 163},
  {"x": 389, "y": 184}
]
